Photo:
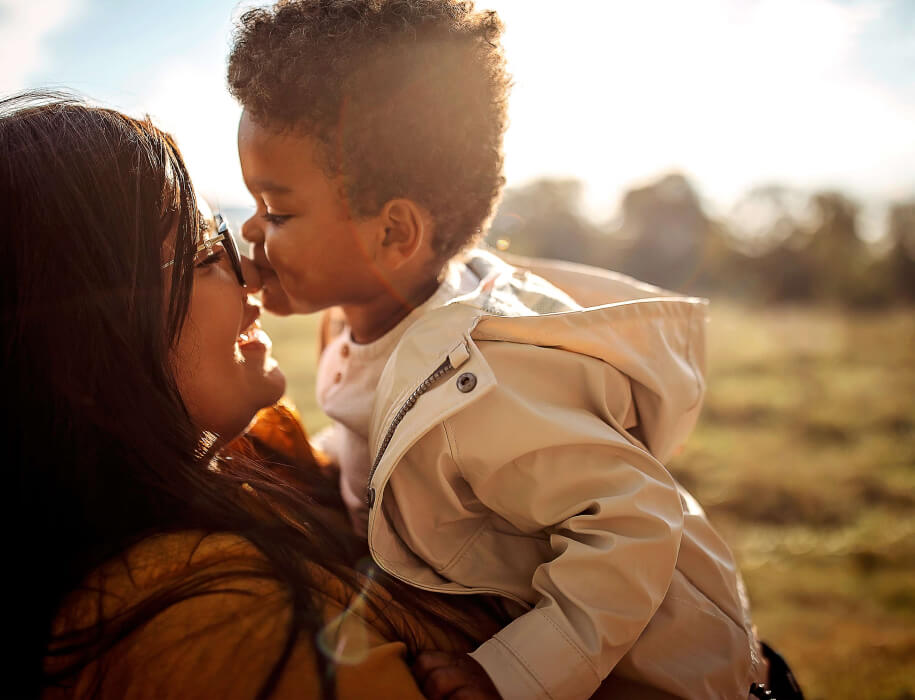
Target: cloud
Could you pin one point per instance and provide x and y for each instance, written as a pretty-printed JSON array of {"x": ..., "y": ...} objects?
[{"x": 24, "y": 27}]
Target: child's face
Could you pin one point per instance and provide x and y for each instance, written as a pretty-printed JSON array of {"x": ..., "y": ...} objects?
[{"x": 312, "y": 254}]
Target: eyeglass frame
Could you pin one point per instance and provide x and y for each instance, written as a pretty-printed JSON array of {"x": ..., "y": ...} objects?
[{"x": 224, "y": 236}]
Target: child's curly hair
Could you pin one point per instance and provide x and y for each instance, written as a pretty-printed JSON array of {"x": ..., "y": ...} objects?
[{"x": 407, "y": 97}]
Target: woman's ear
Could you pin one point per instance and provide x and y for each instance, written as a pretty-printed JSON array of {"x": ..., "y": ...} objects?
[{"x": 407, "y": 232}]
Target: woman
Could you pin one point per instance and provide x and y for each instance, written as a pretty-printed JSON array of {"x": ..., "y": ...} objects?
[{"x": 151, "y": 556}]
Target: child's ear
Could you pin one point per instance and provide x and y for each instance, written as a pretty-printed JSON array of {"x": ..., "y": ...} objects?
[{"x": 405, "y": 232}]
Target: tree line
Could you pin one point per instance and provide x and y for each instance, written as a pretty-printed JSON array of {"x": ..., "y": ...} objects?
[{"x": 777, "y": 244}]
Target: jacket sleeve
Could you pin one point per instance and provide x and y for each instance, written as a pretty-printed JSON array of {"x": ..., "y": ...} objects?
[{"x": 610, "y": 513}]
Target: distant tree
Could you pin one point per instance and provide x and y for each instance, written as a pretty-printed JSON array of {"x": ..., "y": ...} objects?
[
  {"x": 767, "y": 216},
  {"x": 807, "y": 248},
  {"x": 770, "y": 226},
  {"x": 671, "y": 240},
  {"x": 839, "y": 256},
  {"x": 901, "y": 256},
  {"x": 778, "y": 244},
  {"x": 545, "y": 219},
  {"x": 665, "y": 224}
]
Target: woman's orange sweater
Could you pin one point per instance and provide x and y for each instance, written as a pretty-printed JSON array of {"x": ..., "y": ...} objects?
[{"x": 223, "y": 644}]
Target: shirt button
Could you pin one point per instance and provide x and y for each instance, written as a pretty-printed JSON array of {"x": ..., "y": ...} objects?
[
  {"x": 337, "y": 377},
  {"x": 344, "y": 350}
]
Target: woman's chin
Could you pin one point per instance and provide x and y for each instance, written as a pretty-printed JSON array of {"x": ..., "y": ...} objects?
[
  {"x": 275, "y": 379},
  {"x": 254, "y": 353},
  {"x": 267, "y": 379},
  {"x": 262, "y": 391}
]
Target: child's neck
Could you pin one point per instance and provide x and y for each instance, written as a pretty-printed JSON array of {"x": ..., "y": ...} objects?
[{"x": 368, "y": 322}]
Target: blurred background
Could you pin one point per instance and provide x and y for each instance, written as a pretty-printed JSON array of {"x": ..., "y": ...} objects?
[{"x": 758, "y": 152}]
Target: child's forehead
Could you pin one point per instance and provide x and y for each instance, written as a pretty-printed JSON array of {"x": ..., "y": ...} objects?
[
  {"x": 266, "y": 137},
  {"x": 278, "y": 161}
]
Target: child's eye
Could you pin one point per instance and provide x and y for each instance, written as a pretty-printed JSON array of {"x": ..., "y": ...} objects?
[{"x": 276, "y": 219}]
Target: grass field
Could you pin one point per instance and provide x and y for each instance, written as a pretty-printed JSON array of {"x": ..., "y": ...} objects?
[{"x": 805, "y": 459}]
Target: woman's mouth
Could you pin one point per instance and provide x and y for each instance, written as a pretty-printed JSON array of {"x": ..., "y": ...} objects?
[{"x": 254, "y": 335}]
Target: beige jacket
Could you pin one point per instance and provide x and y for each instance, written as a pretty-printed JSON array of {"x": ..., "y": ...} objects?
[{"x": 520, "y": 442}]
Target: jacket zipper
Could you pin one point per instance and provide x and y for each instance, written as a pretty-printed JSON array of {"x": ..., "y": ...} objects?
[{"x": 426, "y": 384}]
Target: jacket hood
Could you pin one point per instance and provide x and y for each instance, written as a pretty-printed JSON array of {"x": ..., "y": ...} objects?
[{"x": 654, "y": 338}]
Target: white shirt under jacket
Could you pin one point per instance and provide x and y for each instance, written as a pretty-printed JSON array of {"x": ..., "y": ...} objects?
[{"x": 531, "y": 466}]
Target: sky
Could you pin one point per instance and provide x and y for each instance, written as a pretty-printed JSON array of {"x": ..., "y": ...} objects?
[{"x": 732, "y": 93}]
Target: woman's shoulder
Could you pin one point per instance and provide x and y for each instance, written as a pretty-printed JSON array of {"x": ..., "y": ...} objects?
[
  {"x": 202, "y": 575},
  {"x": 149, "y": 565},
  {"x": 204, "y": 567},
  {"x": 225, "y": 627}
]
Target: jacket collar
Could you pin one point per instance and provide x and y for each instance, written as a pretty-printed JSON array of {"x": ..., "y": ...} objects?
[{"x": 657, "y": 341}]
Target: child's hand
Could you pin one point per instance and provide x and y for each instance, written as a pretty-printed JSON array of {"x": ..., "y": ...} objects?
[{"x": 443, "y": 675}]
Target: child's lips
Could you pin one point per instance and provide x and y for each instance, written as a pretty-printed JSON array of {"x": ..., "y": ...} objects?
[
  {"x": 273, "y": 295},
  {"x": 270, "y": 282},
  {"x": 259, "y": 257}
]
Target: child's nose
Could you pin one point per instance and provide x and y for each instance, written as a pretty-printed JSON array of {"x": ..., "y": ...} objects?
[{"x": 251, "y": 230}]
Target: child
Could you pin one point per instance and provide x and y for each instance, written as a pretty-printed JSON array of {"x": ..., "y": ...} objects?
[{"x": 497, "y": 433}]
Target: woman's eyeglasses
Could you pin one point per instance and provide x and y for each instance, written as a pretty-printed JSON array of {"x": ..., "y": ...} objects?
[{"x": 224, "y": 236}]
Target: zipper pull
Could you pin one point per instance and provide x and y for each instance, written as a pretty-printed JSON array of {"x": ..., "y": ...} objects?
[{"x": 458, "y": 355}]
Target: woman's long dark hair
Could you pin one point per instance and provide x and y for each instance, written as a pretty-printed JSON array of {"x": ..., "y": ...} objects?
[{"x": 101, "y": 446}]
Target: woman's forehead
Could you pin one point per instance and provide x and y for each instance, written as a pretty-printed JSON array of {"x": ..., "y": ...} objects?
[
  {"x": 204, "y": 230},
  {"x": 203, "y": 206},
  {"x": 206, "y": 217}
]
